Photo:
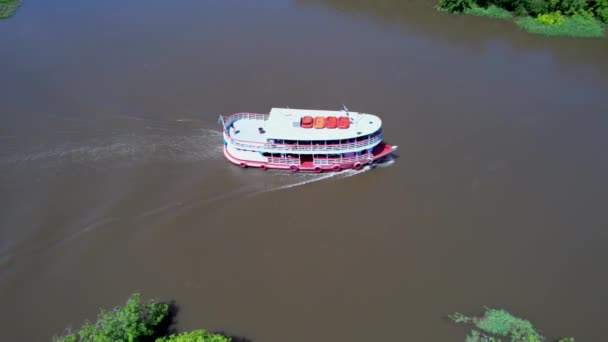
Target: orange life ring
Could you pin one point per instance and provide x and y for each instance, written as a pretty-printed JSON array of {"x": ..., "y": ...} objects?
[
  {"x": 319, "y": 122},
  {"x": 343, "y": 122},
  {"x": 293, "y": 168},
  {"x": 336, "y": 168},
  {"x": 331, "y": 122},
  {"x": 242, "y": 164},
  {"x": 318, "y": 169},
  {"x": 263, "y": 167},
  {"x": 357, "y": 166},
  {"x": 307, "y": 122}
]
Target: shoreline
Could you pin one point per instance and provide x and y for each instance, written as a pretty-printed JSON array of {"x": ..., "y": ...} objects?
[{"x": 547, "y": 20}]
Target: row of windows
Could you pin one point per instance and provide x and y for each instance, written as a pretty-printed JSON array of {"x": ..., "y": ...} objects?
[
  {"x": 328, "y": 156},
  {"x": 328, "y": 142}
]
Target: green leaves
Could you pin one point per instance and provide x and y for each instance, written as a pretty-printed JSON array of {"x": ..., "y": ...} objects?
[
  {"x": 194, "y": 336},
  {"x": 455, "y": 6},
  {"x": 122, "y": 324},
  {"x": 574, "y": 18},
  {"x": 497, "y": 323},
  {"x": 135, "y": 321},
  {"x": 8, "y": 7}
]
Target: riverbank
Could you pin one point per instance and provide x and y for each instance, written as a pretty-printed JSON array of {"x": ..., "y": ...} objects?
[
  {"x": 8, "y": 7},
  {"x": 549, "y": 18}
]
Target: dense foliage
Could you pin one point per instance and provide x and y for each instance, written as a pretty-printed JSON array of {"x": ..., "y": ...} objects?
[
  {"x": 580, "y": 18},
  {"x": 497, "y": 324},
  {"x": 595, "y": 8},
  {"x": 122, "y": 324},
  {"x": 135, "y": 321},
  {"x": 194, "y": 336},
  {"x": 8, "y": 7}
]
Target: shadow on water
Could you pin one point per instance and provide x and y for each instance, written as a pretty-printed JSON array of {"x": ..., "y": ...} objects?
[
  {"x": 169, "y": 324},
  {"x": 233, "y": 338}
]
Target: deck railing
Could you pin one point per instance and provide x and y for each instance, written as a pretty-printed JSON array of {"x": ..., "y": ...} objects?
[
  {"x": 329, "y": 161},
  {"x": 268, "y": 147},
  {"x": 315, "y": 146},
  {"x": 321, "y": 161},
  {"x": 284, "y": 160},
  {"x": 240, "y": 116}
]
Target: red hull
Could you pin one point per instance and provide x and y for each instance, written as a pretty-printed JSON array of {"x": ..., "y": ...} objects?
[{"x": 379, "y": 152}]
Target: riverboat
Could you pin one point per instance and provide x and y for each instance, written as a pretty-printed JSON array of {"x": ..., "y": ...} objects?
[{"x": 304, "y": 139}]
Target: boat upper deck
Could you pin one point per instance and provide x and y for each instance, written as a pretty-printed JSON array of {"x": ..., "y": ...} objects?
[
  {"x": 285, "y": 124},
  {"x": 281, "y": 131}
]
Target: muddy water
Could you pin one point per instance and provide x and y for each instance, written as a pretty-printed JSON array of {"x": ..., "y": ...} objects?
[{"x": 112, "y": 179}]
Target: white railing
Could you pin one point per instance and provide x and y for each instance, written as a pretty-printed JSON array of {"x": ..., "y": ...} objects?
[
  {"x": 267, "y": 147},
  {"x": 321, "y": 161},
  {"x": 284, "y": 160},
  {"x": 286, "y": 148},
  {"x": 241, "y": 116},
  {"x": 330, "y": 161}
]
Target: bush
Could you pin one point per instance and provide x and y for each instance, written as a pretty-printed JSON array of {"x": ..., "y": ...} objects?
[
  {"x": 602, "y": 14},
  {"x": 536, "y": 7},
  {"x": 122, "y": 324},
  {"x": 600, "y": 9},
  {"x": 495, "y": 324},
  {"x": 570, "y": 7},
  {"x": 499, "y": 323},
  {"x": 8, "y": 7},
  {"x": 136, "y": 322},
  {"x": 455, "y": 6},
  {"x": 573, "y": 26},
  {"x": 554, "y": 19},
  {"x": 490, "y": 11},
  {"x": 194, "y": 336}
]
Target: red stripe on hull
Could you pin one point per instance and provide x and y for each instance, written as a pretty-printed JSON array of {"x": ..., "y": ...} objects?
[{"x": 312, "y": 168}]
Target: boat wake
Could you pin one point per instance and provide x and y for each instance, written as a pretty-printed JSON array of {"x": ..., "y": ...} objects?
[
  {"x": 201, "y": 144},
  {"x": 275, "y": 180}
]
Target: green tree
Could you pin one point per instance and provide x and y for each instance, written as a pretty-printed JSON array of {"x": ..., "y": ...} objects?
[
  {"x": 600, "y": 9},
  {"x": 571, "y": 7},
  {"x": 194, "y": 336},
  {"x": 455, "y": 6},
  {"x": 121, "y": 324},
  {"x": 496, "y": 324},
  {"x": 8, "y": 7}
]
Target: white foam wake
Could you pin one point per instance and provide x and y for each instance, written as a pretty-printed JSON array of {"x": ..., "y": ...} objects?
[
  {"x": 284, "y": 180},
  {"x": 203, "y": 144}
]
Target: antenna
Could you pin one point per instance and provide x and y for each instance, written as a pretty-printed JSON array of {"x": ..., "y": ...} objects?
[{"x": 345, "y": 109}]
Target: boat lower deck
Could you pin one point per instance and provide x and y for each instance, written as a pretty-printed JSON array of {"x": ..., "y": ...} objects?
[
  {"x": 252, "y": 130},
  {"x": 306, "y": 162}
]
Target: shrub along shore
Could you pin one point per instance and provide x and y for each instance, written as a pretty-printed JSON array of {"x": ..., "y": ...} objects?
[
  {"x": 152, "y": 321},
  {"x": 573, "y": 18},
  {"x": 8, "y": 7}
]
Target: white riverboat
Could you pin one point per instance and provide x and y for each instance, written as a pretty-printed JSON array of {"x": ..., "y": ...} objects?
[{"x": 304, "y": 139}]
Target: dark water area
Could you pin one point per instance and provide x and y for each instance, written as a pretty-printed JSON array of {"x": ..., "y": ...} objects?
[{"x": 112, "y": 178}]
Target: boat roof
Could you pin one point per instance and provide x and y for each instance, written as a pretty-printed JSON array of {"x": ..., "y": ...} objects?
[{"x": 284, "y": 124}]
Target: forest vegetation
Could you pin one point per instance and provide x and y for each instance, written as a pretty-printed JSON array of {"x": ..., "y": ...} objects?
[{"x": 575, "y": 18}]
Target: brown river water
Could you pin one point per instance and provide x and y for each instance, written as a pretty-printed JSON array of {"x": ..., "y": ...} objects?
[{"x": 112, "y": 179}]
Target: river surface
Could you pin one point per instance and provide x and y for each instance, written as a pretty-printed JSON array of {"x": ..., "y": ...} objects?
[{"x": 112, "y": 179}]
